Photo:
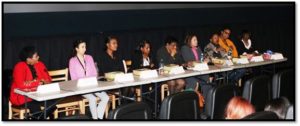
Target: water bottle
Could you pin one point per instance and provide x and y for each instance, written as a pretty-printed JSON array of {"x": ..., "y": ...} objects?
[
  {"x": 229, "y": 52},
  {"x": 201, "y": 58},
  {"x": 161, "y": 66}
]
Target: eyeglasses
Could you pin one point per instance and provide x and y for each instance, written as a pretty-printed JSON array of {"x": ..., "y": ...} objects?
[{"x": 227, "y": 33}]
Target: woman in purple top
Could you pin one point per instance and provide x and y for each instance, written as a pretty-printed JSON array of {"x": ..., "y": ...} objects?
[{"x": 82, "y": 65}]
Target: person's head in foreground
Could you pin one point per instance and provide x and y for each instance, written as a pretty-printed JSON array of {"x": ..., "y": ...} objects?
[
  {"x": 238, "y": 108},
  {"x": 278, "y": 106}
]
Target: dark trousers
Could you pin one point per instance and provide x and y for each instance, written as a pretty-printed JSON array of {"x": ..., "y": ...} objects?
[
  {"x": 204, "y": 87},
  {"x": 235, "y": 75},
  {"x": 36, "y": 111}
]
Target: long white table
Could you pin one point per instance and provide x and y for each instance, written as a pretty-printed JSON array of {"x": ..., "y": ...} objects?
[
  {"x": 69, "y": 88},
  {"x": 254, "y": 64}
]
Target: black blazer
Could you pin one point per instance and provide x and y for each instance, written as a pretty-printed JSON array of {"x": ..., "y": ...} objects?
[
  {"x": 108, "y": 64},
  {"x": 241, "y": 48},
  {"x": 137, "y": 61},
  {"x": 188, "y": 54},
  {"x": 163, "y": 54}
]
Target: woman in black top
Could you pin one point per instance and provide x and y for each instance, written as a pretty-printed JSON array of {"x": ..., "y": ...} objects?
[
  {"x": 245, "y": 45},
  {"x": 170, "y": 54},
  {"x": 142, "y": 57},
  {"x": 111, "y": 61}
]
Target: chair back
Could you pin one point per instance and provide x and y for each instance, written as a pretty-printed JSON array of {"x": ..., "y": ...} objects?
[
  {"x": 132, "y": 111},
  {"x": 181, "y": 105},
  {"x": 217, "y": 99},
  {"x": 263, "y": 115},
  {"x": 257, "y": 91},
  {"x": 59, "y": 75}
]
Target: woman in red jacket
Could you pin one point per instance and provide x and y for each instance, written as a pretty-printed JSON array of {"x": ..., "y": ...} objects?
[{"x": 28, "y": 74}]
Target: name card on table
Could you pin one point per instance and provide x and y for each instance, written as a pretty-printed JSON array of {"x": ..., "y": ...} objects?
[
  {"x": 240, "y": 60},
  {"x": 173, "y": 69},
  {"x": 176, "y": 70},
  {"x": 218, "y": 61},
  {"x": 277, "y": 56},
  {"x": 145, "y": 73},
  {"x": 124, "y": 77},
  {"x": 257, "y": 59},
  {"x": 228, "y": 63},
  {"x": 48, "y": 88},
  {"x": 200, "y": 66},
  {"x": 85, "y": 82}
]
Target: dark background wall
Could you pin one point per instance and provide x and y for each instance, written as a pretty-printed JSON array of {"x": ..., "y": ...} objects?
[{"x": 273, "y": 27}]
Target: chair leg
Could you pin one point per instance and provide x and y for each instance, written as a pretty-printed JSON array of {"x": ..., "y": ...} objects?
[
  {"x": 67, "y": 111},
  {"x": 138, "y": 92},
  {"x": 162, "y": 92},
  {"x": 74, "y": 110},
  {"x": 82, "y": 107},
  {"x": 168, "y": 93},
  {"x": 107, "y": 110},
  {"x": 21, "y": 116},
  {"x": 9, "y": 111},
  {"x": 113, "y": 101},
  {"x": 55, "y": 114},
  {"x": 240, "y": 83}
]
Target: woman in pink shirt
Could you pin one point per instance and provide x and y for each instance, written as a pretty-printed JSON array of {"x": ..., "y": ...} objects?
[
  {"x": 82, "y": 65},
  {"x": 192, "y": 52}
]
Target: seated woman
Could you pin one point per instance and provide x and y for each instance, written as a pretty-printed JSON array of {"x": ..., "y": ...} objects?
[
  {"x": 169, "y": 54},
  {"x": 246, "y": 46},
  {"x": 238, "y": 108},
  {"x": 142, "y": 57},
  {"x": 111, "y": 62},
  {"x": 278, "y": 106},
  {"x": 192, "y": 52},
  {"x": 214, "y": 50},
  {"x": 28, "y": 74},
  {"x": 82, "y": 65}
]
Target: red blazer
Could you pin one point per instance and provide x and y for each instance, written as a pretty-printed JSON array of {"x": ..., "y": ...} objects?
[{"x": 22, "y": 73}]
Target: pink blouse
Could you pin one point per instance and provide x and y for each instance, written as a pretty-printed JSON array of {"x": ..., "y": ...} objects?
[
  {"x": 77, "y": 69},
  {"x": 194, "y": 50}
]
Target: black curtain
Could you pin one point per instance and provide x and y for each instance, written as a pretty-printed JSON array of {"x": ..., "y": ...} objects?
[{"x": 55, "y": 51}]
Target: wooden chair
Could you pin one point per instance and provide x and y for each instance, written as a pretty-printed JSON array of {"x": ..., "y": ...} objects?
[
  {"x": 59, "y": 75},
  {"x": 164, "y": 88},
  {"x": 137, "y": 90},
  {"x": 128, "y": 64},
  {"x": 16, "y": 112},
  {"x": 138, "y": 94},
  {"x": 66, "y": 105}
]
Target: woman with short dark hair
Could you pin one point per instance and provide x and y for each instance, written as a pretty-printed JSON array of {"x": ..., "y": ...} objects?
[
  {"x": 28, "y": 74},
  {"x": 142, "y": 57},
  {"x": 110, "y": 61},
  {"x": 170, "y": 54}
]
